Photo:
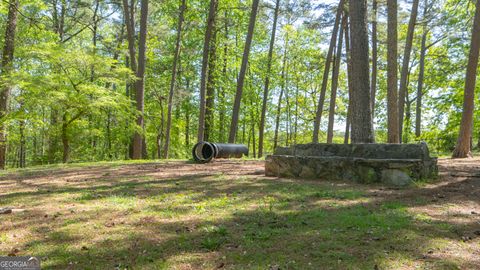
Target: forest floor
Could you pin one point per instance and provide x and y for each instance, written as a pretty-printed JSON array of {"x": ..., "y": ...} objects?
[{"x": 228, "y": 215}]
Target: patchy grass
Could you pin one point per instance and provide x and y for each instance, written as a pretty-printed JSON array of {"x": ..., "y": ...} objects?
[{"x": 175, "y": 215}]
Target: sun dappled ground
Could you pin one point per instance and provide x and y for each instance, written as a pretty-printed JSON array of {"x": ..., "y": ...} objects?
[{"x": 227, "y": 215}]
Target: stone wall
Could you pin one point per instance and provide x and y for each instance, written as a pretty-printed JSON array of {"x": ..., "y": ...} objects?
[{"x": 395, "y": 164}]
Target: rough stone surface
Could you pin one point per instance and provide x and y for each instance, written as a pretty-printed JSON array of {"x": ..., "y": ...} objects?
[
  {"x": 393, "y": 164},
  {"x": 396, "y": 177}
]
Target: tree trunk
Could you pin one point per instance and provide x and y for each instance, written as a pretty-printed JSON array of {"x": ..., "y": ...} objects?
[
  {"x": 94, "y": 37},
  {"x": 222, "y": 91},
  {"x": 187, "y": 126},
  {"x": 421, "y": 76},
  {"x": 138, "y": 141},
  {"x": 160, "y": 130},
  {"x": 392, "y": 70},
  {"x": 129, "y": 23},
  {"x": 463, "y": 148},
  {"x": 243, "y": 70},
  {"x": 403, "y": 92},
  {"x": 362, "y": 127},
  {"x": 131, "y": 59},
  {"x": 297, "y": 89},
  {"x": 333, "y": 95},
  {"x": 326, "y": 72},
  {"x": 22, "y": 151},
  {"x": 282, "y": 88},
  {"x": 211, "y": 77},
  {"x": 173, "y": 80},
  {"x": 6, "y": 69},
  {"x": 203, "y": 76},
  {"x": 267, "y": 81},
  {"x": 91, "y": 120},
  {"x": 287, "y": 107},
  {"x": 65, "y": 142},
  {"x": 408, "y": 120},
  {"x": 252, "y": 123},
  {"x": 348, "y": 123},
  {"x": 374, "y": 56},
  {"x": 58, "y": 26}
]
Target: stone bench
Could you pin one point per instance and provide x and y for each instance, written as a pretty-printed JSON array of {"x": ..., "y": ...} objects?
[{"x": 395, "y": 164}]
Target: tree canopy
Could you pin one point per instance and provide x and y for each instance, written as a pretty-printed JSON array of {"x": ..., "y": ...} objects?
[{"x": 72, "y": 88}]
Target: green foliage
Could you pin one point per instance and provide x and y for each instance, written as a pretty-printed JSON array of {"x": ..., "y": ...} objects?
[{"x": 64, "y": 78}]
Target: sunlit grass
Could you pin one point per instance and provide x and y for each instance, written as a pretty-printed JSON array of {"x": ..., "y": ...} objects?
[{"x": 146, "y": 220}]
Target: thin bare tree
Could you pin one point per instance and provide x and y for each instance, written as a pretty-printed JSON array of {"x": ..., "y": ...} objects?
[
  {"x": 267, "y": 81},
  {"x": 241, "y": 75},
  {"x": 282, "y": 90},
  {"x": 326, "y": 72},
  {"x": 403, "y": 91},
  {"x": 333, "y": 94},
  {"x": 348, "y": 123},
  {"x": 421, "y": 74},
  {"x": 173, "y": 80}
]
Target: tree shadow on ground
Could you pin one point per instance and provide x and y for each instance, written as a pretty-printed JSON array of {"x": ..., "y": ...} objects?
[{"x": 294, "y": 224}]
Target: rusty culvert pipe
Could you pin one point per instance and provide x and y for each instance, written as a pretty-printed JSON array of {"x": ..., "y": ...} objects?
[{"x": 204, "y": 152}]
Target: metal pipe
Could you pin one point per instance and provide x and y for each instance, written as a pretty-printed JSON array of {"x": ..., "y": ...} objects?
[{"x": 204, "y": 152}]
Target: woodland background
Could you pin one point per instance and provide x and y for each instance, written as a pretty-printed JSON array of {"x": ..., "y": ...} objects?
[{"x": 72, "y": 86}]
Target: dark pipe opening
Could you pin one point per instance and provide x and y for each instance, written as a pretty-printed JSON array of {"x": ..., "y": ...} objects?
[
  {"x": 207, "y": 151},
  {"x": 203, "y": 152}
]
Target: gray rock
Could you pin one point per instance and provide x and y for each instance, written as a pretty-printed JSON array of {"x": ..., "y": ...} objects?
[{"x": 396, "y": 178}]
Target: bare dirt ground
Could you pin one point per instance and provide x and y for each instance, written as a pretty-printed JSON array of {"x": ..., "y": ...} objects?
[{"x": 227, "y": 214}]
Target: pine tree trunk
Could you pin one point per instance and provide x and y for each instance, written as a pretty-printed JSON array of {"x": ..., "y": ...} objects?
[
  {"x": 187, "y": 115},
  {"x": 139, "y": 141},
  {"x": 22, "y": 151},
  {"x": 94, "y": 37},
  {"x": 211, "y": 84},
  {"x": 282, "y": 88},
  {"x": 297, "y": 90},
  {"x": 129, "y": 23},
  {"x": 6, "y": 69},
  {"x": 203, "y": 76},
  {"x": 160, "y": 130},
  {"x": 403, "y": 92},
  {"x": 287, "y": 108},
  {"x": 187, "y": 126},
  {"x": 463, "y": 148},
  {"x": 421, "y": 76},
  {"x": 221, "y": 94},
  {"x": 174, "y": 78},
  {"x": 252, "y": 123},
  {"x": 392, "y": 73},
  {"x": 65, "y": 141},
  {"x": 374, "y": 56},
  {"x": 362, "y": 126},
  {"x": 333, "y": 95},
  {"x": 326, "y": 72},
  {"x": 348, "y": 123},
  {"x": 131, "y": 59},
  {"x": 241, "y": 75},
  {"x": 267, "y": 81}
]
